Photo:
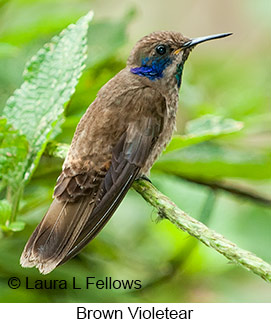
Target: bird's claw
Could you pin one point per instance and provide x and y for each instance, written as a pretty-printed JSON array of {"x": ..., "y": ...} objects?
[{"x": 145, "y": 178}]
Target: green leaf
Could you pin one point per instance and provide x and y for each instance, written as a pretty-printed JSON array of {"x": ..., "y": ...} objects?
[
  {"x": 210, "y": 161},
  {"x": 203, "y": 129},
  {"x": 49, "y": 81},
  {"x": 13, "y": 151},
  {"x": 5, "y": 211}
]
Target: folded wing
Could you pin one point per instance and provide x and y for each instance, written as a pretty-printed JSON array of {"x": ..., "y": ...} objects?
[{"x": 77, "y": 215}]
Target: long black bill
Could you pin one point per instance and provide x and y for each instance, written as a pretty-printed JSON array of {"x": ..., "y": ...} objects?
[{"x": 196, "y": 41}]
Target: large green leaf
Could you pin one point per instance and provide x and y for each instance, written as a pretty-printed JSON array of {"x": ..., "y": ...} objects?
[
  {"x": 25, "y": 33},
  {"x": 13, "y": 151},
  {"x": 210, "y": 161},
  {"x": 203, "y": 129},
  {"x": 49, "y": 81}
]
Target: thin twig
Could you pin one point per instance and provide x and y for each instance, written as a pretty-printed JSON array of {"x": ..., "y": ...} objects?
[
  {"x": 180, "y": 259},
  {"x": 167, "y": 209},
  {"x": 240, "y": 191}
]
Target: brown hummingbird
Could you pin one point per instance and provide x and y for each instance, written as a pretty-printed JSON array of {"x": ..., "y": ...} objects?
[{"x": 117, "y": 141}]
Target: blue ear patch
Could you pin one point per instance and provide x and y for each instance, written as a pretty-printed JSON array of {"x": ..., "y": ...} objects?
[{"x": 152, "y": 68}]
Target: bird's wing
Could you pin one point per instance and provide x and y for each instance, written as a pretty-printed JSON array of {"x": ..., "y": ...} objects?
[
  {"x": 87, "y": 201},
  {"x": 129, "y": 156}
]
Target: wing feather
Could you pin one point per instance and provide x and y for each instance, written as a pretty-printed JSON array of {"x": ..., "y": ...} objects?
[
  {"x": 128, "y": 157},
  {"x": 87, "y": 196}
]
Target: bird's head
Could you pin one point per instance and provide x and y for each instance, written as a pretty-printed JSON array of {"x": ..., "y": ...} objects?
[{"x": 161, "y": 55}]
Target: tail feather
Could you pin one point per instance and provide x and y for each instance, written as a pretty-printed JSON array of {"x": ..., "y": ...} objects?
[{"x": 56, "y": 233}]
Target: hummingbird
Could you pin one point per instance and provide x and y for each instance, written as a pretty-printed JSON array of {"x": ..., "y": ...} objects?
[{"x": 117, "y": 141}]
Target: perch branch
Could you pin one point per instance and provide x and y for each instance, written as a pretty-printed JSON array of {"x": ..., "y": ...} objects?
[{"x": 167, "y": 209}]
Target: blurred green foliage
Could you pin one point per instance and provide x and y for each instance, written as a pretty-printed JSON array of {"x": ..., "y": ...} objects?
[{"x": 172, "y": 266}]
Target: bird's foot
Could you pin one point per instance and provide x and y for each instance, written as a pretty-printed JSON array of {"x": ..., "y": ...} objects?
[{"x": 145, "y": 178}]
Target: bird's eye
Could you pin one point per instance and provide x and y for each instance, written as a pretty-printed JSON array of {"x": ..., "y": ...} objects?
[{"x": 161, "y": 49}]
